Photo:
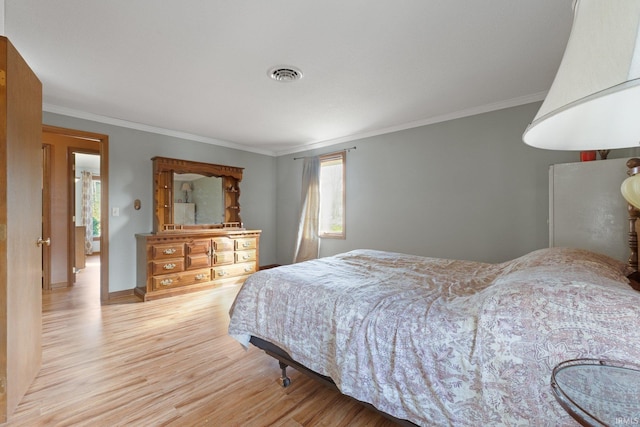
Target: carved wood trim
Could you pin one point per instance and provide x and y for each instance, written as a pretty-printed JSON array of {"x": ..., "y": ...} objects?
[
  {"x": 163, "y": 170},
  {"x": 186, "y": 166}
]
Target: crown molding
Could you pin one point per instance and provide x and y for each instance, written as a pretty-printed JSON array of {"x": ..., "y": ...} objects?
[
  {"x": 514, "y": 102},
  {"x": 51, "y": 108}
]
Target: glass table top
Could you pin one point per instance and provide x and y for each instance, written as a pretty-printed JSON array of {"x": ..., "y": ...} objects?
[{"x": 597, "y": 392}]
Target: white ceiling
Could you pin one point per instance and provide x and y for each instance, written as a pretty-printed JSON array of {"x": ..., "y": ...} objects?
[{"x": 198, "y": 68}]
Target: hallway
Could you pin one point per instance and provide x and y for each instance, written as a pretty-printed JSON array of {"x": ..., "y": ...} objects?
[{"x": 84, "y": 293}]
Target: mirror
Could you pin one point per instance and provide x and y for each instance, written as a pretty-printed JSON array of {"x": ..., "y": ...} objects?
[
  {"x": 195, "y": 196},
  {"x": 199, "y": 199}
]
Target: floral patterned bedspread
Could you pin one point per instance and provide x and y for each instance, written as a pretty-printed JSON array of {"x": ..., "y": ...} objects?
[{"x": 446, "y": 342}]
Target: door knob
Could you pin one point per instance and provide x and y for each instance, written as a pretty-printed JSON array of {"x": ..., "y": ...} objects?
[{"x": 47, "y": 242}]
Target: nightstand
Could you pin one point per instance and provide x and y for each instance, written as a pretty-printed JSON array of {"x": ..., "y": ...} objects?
[{"x": 597, "y": 392}]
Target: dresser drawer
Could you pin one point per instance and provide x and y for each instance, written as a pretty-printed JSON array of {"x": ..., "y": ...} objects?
[
  {"x": 174, "y": 250},
  {"x": 223, "y": 244},
  {"x": 198, "y": 261},
  {"x": 234, "y": 270},
  {"x": 182, "y": 279},
  {"x": 246, "y": 243},
  {"x": 198, "y": 247},
  {"x": 245, "y": 256},
  {"x": 222, "y": 258},
  {"x": 167, "y": 266}
]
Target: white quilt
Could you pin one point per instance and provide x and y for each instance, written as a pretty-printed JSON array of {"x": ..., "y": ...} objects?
[{"x": 446, "y": 342}]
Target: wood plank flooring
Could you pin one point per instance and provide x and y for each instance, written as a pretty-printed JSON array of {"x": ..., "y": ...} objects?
[{"x": 168, "y": 362}]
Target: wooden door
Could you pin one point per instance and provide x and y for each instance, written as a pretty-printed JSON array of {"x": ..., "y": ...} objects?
[
  {"x": 20, "y": 227},
  {"x": 199, "y": 254}
]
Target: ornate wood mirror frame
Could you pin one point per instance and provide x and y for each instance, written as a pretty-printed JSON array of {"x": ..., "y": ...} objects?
[{"x": 163, "y": 188}]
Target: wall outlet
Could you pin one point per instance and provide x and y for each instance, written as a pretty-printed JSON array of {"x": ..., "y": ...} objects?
[{"x": 115, "y": 211}]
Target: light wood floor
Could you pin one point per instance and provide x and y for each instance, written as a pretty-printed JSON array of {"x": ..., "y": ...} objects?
[{"x": 165, "y": 363}]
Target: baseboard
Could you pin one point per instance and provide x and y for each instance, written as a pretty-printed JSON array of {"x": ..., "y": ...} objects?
[
  {"x": 59, "y": 285},
  {"x": 120, "y": 294},
  {"x": 266, "y": 267},
  {"x": 122, "y": 297}
]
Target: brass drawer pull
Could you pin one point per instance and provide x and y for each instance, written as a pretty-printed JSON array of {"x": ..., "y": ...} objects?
[
  {"x": 169, "y": 251},
  {"x": 169, "y": 266},
  {"x": 166, "y": 282},
  {"x": 245, "y": 256},
  {"x": 248, "y": 269},
  {"x": 246, "y": 244},
  {"x": 222, "y": 273},
  {"x": 200, "y": 276}
]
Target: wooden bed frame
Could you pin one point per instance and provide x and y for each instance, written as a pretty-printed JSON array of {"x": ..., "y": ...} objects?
[{"x": 285, "y": 360}]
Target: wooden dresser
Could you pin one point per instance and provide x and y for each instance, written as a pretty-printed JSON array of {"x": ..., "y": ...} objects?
[{"x": 179, "y": 262}]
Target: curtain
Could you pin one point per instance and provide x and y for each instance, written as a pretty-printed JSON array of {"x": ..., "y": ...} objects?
[
  {"x": 87, "y": 210},
  {"x": 308, "y": 242}
]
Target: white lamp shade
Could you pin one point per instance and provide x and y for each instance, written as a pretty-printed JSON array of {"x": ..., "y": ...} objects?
[
  {"x": 631, "y": 190},
  {"x": 594, "y": 102}
]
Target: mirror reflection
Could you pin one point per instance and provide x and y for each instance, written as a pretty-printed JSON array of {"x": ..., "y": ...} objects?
[
  {"x": 195, "y": 202},
  {"x": 197, "y": 199}
]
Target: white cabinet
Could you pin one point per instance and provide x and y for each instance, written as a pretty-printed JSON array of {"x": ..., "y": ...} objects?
[
  {"x": 184, "y": 213},
  {"x": 586, "y": 208}
]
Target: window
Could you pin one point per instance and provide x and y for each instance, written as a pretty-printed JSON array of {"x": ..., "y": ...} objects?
[
  {"x": 332, "y": 195},
  {"x": 96, "y": 207}
]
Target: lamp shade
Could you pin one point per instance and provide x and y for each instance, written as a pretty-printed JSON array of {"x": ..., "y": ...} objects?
[
  {"x": 631, "y": 190},
  {"x": 594, "y": 101},
  {"x": 186, "y": 186}
]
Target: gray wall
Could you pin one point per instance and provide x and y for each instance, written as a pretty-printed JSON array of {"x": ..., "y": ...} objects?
[
  {"x": 465, "y": 189},
  {"x": 130, "y": 178}
]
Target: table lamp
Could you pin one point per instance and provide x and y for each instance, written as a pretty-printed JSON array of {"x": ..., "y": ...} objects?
[
  {"x": 594, "y": 101},
  {"x": 186, "y": 187}
]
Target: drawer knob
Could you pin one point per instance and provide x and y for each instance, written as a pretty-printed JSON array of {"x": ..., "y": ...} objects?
[
  {"x": 222, "y": 273},
  {"x": 169, "y": 251},
  {"x": 245, "y": 256},
  {"x": 246, "y": 244},
  {"x": 169, "y": 266},
  {"x": 166, "y": 282},
  {"x": 200, "y": 276},
  {"x": 248, "y": 269}
]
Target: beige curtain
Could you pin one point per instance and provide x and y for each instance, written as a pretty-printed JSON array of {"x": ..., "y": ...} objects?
[
  {"x": 308, "y": 242},
  {"x": 87, "y": 210}
]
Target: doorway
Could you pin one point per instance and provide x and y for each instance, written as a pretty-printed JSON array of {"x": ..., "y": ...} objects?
[
  {"x": 65, "y": 147},
  {"x": 86, "y": 219}
]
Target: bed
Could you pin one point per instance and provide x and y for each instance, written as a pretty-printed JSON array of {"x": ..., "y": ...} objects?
[{"x": 431, "y": 341}]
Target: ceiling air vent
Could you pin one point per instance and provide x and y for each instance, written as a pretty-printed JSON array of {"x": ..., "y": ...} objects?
[{"x": 285, "y": 74}]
